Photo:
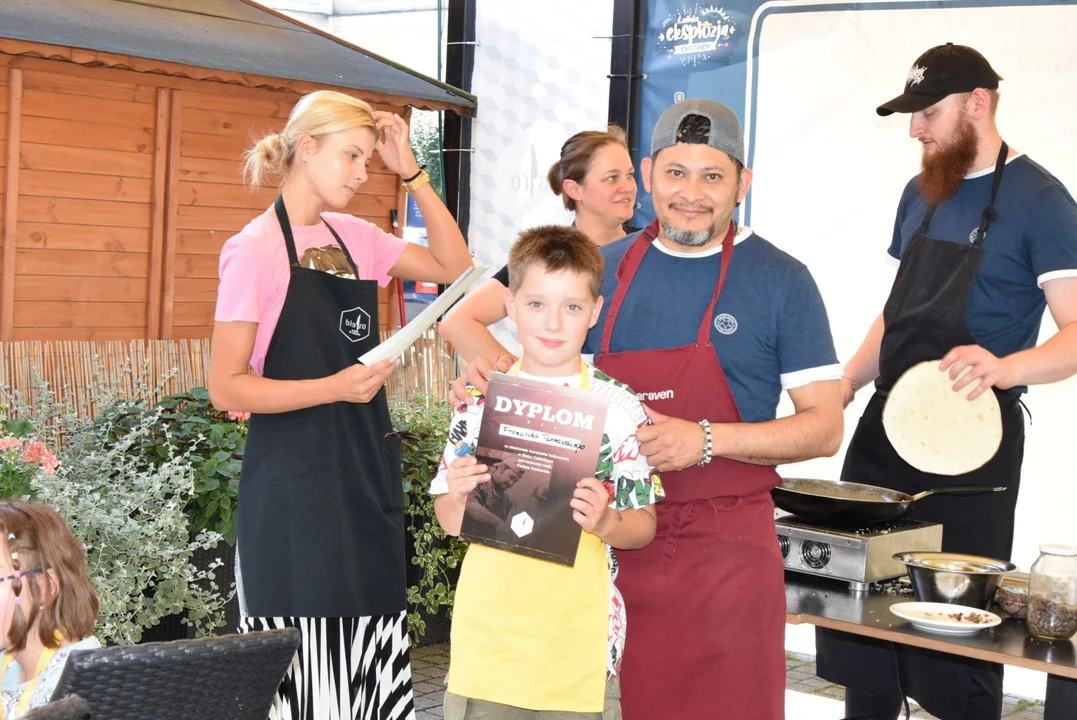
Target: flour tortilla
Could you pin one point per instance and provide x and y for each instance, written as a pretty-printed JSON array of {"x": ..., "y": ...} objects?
[{"x": 937, "y": 430}]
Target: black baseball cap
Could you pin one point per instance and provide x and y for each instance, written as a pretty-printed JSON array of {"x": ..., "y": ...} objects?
[{"x": 941, "y": 71}]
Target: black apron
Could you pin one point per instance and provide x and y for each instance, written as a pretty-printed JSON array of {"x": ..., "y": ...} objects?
[
  {"x": 924, "y": 319},
  {"x": 321, "y": 524}
]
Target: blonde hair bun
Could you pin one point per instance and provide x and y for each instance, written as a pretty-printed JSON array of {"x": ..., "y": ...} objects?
[{"x": 318, "y": 114}]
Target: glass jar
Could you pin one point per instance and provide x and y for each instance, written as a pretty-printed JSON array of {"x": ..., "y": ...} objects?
[{"x": 1052, "y": 593}]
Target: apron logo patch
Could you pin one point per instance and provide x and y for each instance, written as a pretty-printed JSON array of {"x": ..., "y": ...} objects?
[
  {"x": 355, "y": 324},
  {"x": 725, "y": 324},
  {"x": 974, "y": 234}
]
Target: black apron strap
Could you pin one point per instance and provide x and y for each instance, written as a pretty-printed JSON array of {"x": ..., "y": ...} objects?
[
  {"x": 1025, "y": 408},
  {"x": 286, "y": 228},
  {"x": 289, "y": 239},
  {"x": 989, "y": 214},
  {"x": 927, "y": 220},
  {"x": 344, "y": 249}
]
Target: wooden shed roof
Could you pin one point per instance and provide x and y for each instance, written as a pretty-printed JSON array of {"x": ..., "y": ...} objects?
[{"x": 228, "y": 35}]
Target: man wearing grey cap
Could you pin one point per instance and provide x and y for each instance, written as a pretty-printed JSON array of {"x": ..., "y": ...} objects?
[
  {"x": 709, "y": 323},
  {"x": 985, "y": 230},
  {"x": 709, "y": 344}
]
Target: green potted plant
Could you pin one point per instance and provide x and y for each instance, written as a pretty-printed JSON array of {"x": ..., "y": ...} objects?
[
  {"x": 185, "y": 444},
  {"x": 128, "y": 513},
  {"x": 433, "y": 557},
  {"x": 212, "y": 442}
]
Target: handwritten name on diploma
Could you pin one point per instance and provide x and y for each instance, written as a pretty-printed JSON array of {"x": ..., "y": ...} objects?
[
  {"x": 547, "y": 413},
  {"x": 544, "y": 438}
]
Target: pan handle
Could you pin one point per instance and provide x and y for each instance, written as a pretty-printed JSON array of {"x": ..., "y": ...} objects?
[{"x": 958, "y": 490}]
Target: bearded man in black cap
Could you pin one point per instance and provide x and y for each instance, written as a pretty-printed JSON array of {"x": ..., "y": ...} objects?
[{"x": 985, "y": 231}]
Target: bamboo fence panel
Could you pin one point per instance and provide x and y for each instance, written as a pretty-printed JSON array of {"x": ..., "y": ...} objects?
[
  {"x": 75, "y": 370},
  {"x": 427, "y": 368}
]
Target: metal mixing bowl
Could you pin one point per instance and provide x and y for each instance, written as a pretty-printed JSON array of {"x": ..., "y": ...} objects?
[{"x": 953, "y": 578}]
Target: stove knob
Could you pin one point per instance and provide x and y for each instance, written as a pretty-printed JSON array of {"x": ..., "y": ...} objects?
[
  {"x": 783, "y": 544},
  {"x": 815, "y": 555}
]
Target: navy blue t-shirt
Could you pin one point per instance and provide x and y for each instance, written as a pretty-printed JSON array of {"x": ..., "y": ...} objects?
[
  {"x": 770, "y": 328},
  {"x": 1033, "y": 241}
]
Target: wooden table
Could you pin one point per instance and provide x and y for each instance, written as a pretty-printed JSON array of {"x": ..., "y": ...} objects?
[{"x": 826, "y": 603}]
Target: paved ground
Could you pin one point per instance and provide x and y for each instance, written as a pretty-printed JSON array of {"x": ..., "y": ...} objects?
[
  {"x": 800, "y": 678},
  {"x": 807, "y": 697}
]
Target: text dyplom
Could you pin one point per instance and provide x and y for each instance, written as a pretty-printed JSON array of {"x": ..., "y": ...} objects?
[{"x": 546, "y": 413}]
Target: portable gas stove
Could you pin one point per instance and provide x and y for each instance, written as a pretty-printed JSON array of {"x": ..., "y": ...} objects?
[{"x": 856, "y": 556}]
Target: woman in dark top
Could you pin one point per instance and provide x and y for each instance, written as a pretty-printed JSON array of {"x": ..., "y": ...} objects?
[{"x": 596, "y": 181}]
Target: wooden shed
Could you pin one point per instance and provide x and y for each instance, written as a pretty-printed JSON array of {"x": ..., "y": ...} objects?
[{"x": 121, "y": 130}]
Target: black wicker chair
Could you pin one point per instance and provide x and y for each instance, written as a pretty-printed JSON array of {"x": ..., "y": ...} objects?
[
  {"x": 71, "y": 707},
  {"x": 220, "y": 678}
]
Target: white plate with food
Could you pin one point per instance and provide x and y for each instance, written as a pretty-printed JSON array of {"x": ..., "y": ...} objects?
[
  {"x": 937, "y": 430},
  {"x": 945, "y": 618}
]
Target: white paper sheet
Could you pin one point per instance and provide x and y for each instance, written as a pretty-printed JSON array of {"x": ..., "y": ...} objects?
[{"x": 405, "y": 336}]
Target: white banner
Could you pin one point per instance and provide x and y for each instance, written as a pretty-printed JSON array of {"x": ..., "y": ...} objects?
[
  {"x": 834, "y": 70},
  {"x": 540, "y": 76}
]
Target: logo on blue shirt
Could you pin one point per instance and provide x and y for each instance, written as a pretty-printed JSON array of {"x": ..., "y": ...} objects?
[{"x": 725, "y": 324}]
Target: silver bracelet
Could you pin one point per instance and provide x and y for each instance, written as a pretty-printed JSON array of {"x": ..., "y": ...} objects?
[
  {"x": 707, "y": 449},
  {"x": 851, "y": 382}
]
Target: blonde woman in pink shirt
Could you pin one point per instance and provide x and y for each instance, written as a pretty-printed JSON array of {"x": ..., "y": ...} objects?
[{"x": 321, "y": 526}]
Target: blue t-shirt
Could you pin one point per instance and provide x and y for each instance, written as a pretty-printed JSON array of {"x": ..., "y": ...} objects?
[
  {"x": 1033, "y": 241},
  {"x": 770, "y": 327}
]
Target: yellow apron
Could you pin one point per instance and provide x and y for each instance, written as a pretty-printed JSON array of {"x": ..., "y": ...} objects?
[
  {"x": 532, "y": 633},
  {"x": 24, "y": 701}
]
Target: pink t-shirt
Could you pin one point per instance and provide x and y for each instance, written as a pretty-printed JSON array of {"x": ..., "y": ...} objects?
[{"x": 254, "y": 268}]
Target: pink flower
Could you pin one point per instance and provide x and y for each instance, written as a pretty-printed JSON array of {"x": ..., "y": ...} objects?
[
  {"x": 10, "y": 442},
  {"x": 33, "y": 451},
  {"x": 238, "y": 416}
]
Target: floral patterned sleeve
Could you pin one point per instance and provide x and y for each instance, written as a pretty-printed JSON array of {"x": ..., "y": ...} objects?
[
  {"x": 629, "y": 479},
  {"x": 463, "y": 434}
]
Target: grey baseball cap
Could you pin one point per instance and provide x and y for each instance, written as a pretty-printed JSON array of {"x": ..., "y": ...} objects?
[{"x": 725, "y": 131}]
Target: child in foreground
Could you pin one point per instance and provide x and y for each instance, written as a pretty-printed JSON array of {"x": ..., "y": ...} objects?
[
  {"x": 47, "y": 605},
  {"x": 531, "y": 638}
]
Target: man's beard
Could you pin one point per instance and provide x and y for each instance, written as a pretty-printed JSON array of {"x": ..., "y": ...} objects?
[
  {"x": 688, "y": 238},
  {"x": 942, "y": 172}
]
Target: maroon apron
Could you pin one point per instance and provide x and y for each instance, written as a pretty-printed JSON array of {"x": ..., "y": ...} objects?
[{"x": 705, "y": 600}]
